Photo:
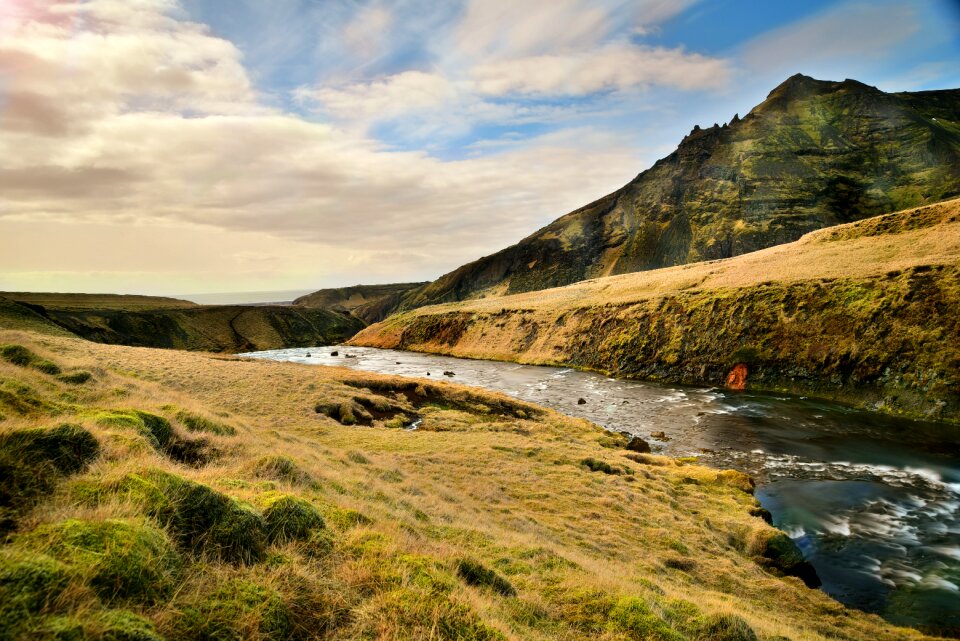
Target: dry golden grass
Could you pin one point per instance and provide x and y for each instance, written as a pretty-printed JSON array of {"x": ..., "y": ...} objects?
[{"x": 485, "y": 478}]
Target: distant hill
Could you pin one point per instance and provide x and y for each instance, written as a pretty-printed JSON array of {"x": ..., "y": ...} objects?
[
  {"x": 866, "y": 313},
  {"x": 813, "y": 154},
  {"x": 369, "y": 303},
  {"x": 147, "y": 321},
  {"x": 96, "y": 301}
]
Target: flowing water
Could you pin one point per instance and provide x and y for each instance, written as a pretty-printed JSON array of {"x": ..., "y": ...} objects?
[{"x": 872, "y": 501}]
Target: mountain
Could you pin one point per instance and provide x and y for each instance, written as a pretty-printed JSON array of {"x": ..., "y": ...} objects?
[
  {"x": 813, "y": 154},
  {"x": 369, "y": 303},
  {"x": 867, "y": 313}
]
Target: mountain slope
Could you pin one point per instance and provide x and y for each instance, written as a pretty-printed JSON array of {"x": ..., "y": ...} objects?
[
  {"x": 813, "y": 154},
  {"x": 369, "y": 303},
  {"x": 867, "y": 313}
]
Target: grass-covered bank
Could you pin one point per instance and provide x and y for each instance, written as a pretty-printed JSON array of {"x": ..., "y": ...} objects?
[
  {"x": 867, "y": 313},
  {"x": 184, "y": 496}
]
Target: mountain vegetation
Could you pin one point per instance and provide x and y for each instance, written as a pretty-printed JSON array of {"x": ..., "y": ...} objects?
[{"x": 813, "y": 154}]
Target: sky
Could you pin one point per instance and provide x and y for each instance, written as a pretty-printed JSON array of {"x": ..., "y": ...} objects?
[{"x": 189, "y": 146}]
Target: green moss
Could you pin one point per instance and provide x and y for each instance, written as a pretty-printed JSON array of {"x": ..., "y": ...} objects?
[
  {"x": 280, "y": 468},
  {"x": 33, "y": 460},
  {"x": 239, "y": 610},
  {"x": 47, "y": 367},
  {"x": 18, "y": 398},
  {"x": 345, "y": 518},
  {"x": 198, "y": 423},
  {"x": 78, "y": 377},
  {"x": 585, "y": 610},
  {"x": 201, "y": 518},
  {"x": 725, "y": 627},
  {"x": 476, "y": 574},
  {"x": 156, "y": 429},
  {"x": 119, "y": 558},
  {"x": 69, "y": 448},
  {"x": 17, "y": 355},
  {"x": 29, "y": 584},
  {"x": 415, "y": 614},
  {"x": 595, "y": 465},
  {"x": 633, "y": 617},
  {"x": 289, "y": 518},
  {"x": 107, "y": 625}
]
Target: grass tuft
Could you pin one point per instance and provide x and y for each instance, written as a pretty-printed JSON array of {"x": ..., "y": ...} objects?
[{"x": 474, "y": 573}]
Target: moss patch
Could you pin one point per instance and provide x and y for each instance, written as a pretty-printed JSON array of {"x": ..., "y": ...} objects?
[
  {"x": 119, "y": 558},
  {"x": 240, "y": 609},
  {"x": 197, "y": 423},
  {"x": 33, "y": 460},
  {"x": 201, "y": 518},
  {"x": 289, "y": 518},
  {"x": 29, "y": 584}
]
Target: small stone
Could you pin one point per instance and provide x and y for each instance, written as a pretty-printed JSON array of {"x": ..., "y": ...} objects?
[
  {"x": 581, "y": 401},
  {"x": 449, "y": 374},
  {"x": 334, "y": 353}
]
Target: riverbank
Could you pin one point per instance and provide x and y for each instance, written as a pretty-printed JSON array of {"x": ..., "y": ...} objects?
[
  {"x": 316, "y": 520},
  {"x": 866, "y": 313}
]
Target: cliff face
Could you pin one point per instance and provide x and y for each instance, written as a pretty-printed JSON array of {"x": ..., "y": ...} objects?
[
  {"x": 227, "y": 328},
  {"x": 813, "y": 154},
  {"x": 369, "y": 303}
]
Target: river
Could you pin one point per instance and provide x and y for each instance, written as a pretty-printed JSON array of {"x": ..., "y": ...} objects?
[{"x": 872, "y": 501}]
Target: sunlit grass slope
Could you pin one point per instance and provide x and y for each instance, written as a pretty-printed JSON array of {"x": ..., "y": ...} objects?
[
  {"x": 148, "y": 494},
  {"x": 867, "y": 313}
]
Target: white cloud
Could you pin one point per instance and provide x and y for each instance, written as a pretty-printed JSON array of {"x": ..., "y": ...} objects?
[
  {"x": 385, "y": 98},
  {"x": 366, "y": 34},
  {"x": 616, "y": 66},
  {"x": 151, "y": 123},
  {"x": 865, "y": 31}
]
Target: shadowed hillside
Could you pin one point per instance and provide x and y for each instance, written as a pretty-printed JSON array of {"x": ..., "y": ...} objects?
[
  {"x": 867, "y": 313},
  {"x": 813, "y": 154},
  {"x": 369, "y": 303},
  {"x": 161, "y": 322}
]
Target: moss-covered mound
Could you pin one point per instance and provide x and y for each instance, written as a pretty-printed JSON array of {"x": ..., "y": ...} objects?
[
  {"x": 23, "y": 357},
  {"x": 197, "y": 423},
  {"x": 240, "y": 609},
  {"x": 78, "y": 377},
  {"x": 280, "y": 468},
  {"x": 156, "y": 429},
  {"x": 106, "y": 625},
  {"x": 33, "y": 460},
  {"x": 29, "y": 584},
  {"x": 201, "y": 518},
  {"x": 289, "y": 518},
  {"x": 119, "y": 558}
]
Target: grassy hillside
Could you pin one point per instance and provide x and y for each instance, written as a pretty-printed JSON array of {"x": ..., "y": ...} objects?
[
  {"x": 369, "y": 303},
  {"x": 144, "y": 321},
  {"x": 867, "y": 313},
  {"x": 150, "y": 494},
  {"x": 131, "y": 302},
  {"x": 813, "y": 154}
]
